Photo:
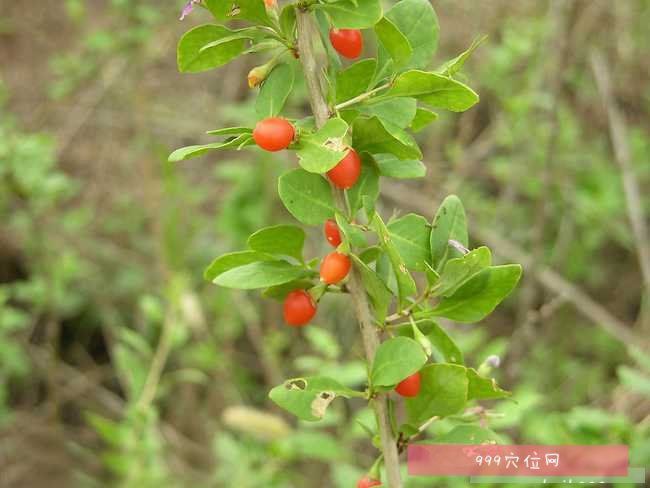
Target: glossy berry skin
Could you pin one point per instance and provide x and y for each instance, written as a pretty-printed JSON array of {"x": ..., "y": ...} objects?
[
  {"x": 270, "y": 3},
  {"x": 273, "y": 134},
  {"x": 368, "y": 482},
  {"x": 346, "y": 173},
  {"x": 334, "y": 268},
  {"x": 410, "y": 386},
  {"x": 299, "y": 308},
  {"x": 332, "y": 233},
  {"x": 347, "y": 42}
]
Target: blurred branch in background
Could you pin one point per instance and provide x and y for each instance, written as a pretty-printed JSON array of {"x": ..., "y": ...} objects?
[
  {"x": 548, "y": 278},
  {"x": 620, "y": 142}
]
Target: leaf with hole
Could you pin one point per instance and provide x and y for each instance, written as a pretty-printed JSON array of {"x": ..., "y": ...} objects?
[
  {"x": 321, "y": 151},
  {"x": 308, "y": 398}
]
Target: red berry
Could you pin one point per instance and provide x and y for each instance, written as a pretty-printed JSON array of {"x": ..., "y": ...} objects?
[
  {"x": 270, "y": 3},
  {"x": 299, "y": 308},
  {"x": 332, "y": 233},
  {"x": 410, "y": 386},
  {"x": 273, "y": 134},
  {"x": 334, "y": 268},
  {"x": 347, "y": 42},
  {"x": 368, "y": 482},
  {"x": 347, "y": 171}
]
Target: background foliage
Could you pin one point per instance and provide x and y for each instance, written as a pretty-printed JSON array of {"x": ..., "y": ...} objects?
[{"x": 102, "y": 243}]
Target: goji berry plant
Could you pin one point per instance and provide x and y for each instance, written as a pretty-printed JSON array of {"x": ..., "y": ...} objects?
[{"x": 401, "y": 275}]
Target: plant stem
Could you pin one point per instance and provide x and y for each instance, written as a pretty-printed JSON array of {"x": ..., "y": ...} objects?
[
  {"x": 362, "y": 97},
  {"x": 357, "y": 292}
]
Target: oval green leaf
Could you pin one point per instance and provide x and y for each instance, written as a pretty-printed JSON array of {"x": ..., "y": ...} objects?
[{"x": 396, "y": 359}]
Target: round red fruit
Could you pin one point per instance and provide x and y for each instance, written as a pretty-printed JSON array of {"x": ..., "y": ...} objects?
[
  {"x": 332, "y": 233},
  {"x": 347, "y": 42},
  {"x": 334, "y": 268},
  {"x": 410, "y": 386},
  {"x": 273, "y": 134},
  {"x": 368, "y": 482},
  {"x": 346, "y": 173},
  {"x": 299, "y": 308}
]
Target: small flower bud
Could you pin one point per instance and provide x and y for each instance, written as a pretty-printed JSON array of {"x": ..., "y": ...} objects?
[
  {"x": 256, "y": 76},
  {"x": 490, "y": 363},
  {"x": 493, "y": 361}
]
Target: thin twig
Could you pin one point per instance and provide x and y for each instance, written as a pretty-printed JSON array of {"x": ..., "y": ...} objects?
[
  {"x": 357, "y": 291},
  {"x": 362, "y": 97}
]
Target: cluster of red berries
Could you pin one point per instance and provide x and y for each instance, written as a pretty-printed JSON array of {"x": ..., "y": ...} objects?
[
  {"x": 299, "y": 306},
  {"x": 274, "y": 134}
]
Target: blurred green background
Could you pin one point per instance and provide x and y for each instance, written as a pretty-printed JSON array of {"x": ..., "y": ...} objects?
[{"x": 120, "y": 366}]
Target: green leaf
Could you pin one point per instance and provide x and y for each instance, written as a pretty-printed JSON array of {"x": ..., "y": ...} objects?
[
  {"x": 321, "y": 151},
  {"x": 308, "y": 398},
  {"x": 261, "y": 275},
  {"x": 393, "y": 167},
  {"x": 417, "y": 20},
  {"x": 449, "y": 223},
  {"x": 369, "y": 134},
  {"x": 288, "y": 20},
  {"x": 480, "y": 388},
  {"x": 366, "y": 186},
  {"x": 453, "y": 66},
  {"x": 226, "y": 131},
  {"x": 433, "y": 89},
  {"x": 280, "y": 292},
  {"x": 458, "y": 271},
  {"x": 275, "y": 91},
  {"x": 396, "y": 359},
  {"x": 411, "y": 235},
  {"x": 443, "y": 392},
  {"x": 353, "y": 14},
  {"x": 397, "y": 111},
  {"x": 307, "y": 196},
  {"x": 355, "y": 79},
  {"x": 465, "y": 434},
  {"x": 405, "y": 283},
  {"x": 350, "y": 232},
  {"x": 380, "y": 295},
  {"x": 283, "y": 240},
  {"x": 233, "y": 260},
  {"x": 192, "y": 59},
  {"x": 392, "y": 39},
  {"x": 423, "y": 117},
  {"x": 251, "y": 10},
  {"x": 479, "y": 296},
  {"x": 444, "y": 344},
  {"x": 189, "y": 152}
]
